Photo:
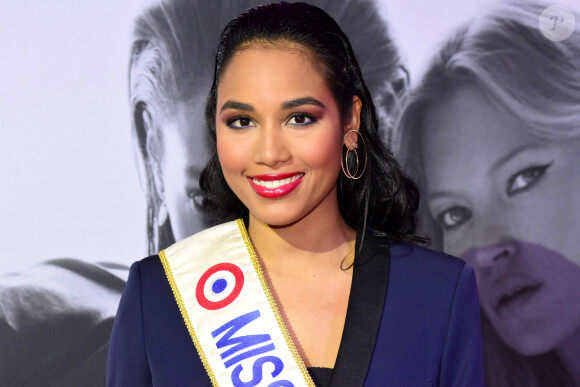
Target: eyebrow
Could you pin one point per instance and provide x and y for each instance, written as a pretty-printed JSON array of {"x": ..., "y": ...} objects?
[
  {"x": 510, "y": 155},
  {"x": 440, "y": 194},
  {"x": 494, "y": 166},
  {"x": 302, "y": 101},
  {"x": 285, "y": 105},
  {"x": 237, "y": 105}
]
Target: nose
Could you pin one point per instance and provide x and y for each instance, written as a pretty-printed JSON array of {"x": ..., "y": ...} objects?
[
  {"x": 271, "y": 147},
  {"x": 488, "y": 256}
]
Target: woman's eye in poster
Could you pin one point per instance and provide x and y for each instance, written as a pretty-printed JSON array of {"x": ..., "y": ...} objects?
[
  {"x": 453, "y": 217},
  {"x": 525, "y": 179}
]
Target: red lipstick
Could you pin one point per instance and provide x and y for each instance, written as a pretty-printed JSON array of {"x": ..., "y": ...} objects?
[{"x": 277, "y": 185}]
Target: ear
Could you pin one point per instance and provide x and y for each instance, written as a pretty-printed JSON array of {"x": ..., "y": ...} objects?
[{"x": 353, "y": 123}]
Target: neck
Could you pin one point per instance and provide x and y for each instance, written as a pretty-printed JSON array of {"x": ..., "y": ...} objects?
[
  {"x": 313, "y": 241},
  {"x": 569, "y": 352}
]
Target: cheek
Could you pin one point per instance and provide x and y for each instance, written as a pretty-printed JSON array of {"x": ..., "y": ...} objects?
[
  {"x": 177, "y": 183},
  {"x": 452, "y": 246},
  {"x": 174, "y": 181},
  {"x": 231, "y": 153},
  {"x": 321, "y": 155},
  {"x": 320, "y": 150},
  {"x": 559, "y": 210},
  {"x": 184, "y": 220}
]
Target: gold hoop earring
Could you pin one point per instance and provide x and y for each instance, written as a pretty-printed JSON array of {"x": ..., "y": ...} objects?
[{"x": 353, "y": 148}]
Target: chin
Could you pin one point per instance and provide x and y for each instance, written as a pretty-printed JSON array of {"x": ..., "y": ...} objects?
[
  {"x": 277, "y": 222},
  {"x": 531, "y": 346},
  {"x": 535, "y": 341},
  {"x": 276, "y": 219}
]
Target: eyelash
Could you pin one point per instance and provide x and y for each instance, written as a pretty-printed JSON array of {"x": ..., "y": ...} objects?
[
  {"x": 537, "y": 172},
  {"x": 464, "y": 214},
  {"x": 302, "y": 115},
  {"x": 196, "y": 197},
  {"x": 231, "y": 121}
]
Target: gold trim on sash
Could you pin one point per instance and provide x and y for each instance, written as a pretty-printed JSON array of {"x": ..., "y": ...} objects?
[
  {"x": 275, "y": 309},
  {"x": 185, "y": 316}
]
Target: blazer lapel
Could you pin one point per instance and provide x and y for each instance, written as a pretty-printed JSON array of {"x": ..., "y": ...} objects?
[{"x": 364, "y": 312}]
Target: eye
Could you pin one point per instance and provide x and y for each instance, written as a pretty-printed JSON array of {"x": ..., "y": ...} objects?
[
  {"x": 240, "y": 122},
  {"x": 196, "y": 197},
  {"x": 300, "y": 119},
  {"x": 453, "y": 216},
  {"x": 526, "y": 178}
]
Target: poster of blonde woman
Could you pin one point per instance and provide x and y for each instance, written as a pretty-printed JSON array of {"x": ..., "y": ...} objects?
[{"x": 491, "y": 133}]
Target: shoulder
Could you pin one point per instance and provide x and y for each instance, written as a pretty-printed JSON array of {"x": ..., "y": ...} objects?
[
  {"x": 212, "y": 234},
  {"x": 143, "y": 274},
  {"x": 429, "y": 275},
  {"x": 195, "y": 245},
  {"x": 149, "y": 274},
  {"x": 207, "y": 242},
  {"x": 415, "y": 254},
  {"x": 431, "y": 302},
  {"x": 422, "y": 262}
]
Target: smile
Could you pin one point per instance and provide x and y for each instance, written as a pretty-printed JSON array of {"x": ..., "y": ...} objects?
[{"x": 276, "y": 185}]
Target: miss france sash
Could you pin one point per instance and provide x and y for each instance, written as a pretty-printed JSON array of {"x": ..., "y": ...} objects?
[{"x": 229, "y": 311}]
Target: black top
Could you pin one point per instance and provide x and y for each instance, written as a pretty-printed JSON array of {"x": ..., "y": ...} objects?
[{"x": 320, "y": 376}]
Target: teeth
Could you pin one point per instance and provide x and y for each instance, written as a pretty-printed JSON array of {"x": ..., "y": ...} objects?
[{"x": 277, "y": 183}]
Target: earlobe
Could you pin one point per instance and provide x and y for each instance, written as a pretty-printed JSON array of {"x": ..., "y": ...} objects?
[
  {"x": 351, "y": 130},
  {"x": 360, "y": 159}
]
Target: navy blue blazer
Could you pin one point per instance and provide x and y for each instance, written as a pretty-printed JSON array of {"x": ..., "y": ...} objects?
[{"x": 412, "y": 320}]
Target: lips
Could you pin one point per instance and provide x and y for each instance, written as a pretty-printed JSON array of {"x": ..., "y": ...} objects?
[
  {"x": 508, "y": 282},
  {"x": 512, "y": 295},
  {"x": 275, "y": 186}
]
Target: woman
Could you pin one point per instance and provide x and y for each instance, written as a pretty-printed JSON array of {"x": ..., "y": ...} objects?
[
  {"x": 498, "y": 124},
  {"x": 47, "y": 336},
  {"x": 170, "y": 75},
  {"x": 296, "y": 154}
]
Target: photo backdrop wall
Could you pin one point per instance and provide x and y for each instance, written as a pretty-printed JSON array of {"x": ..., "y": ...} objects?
[{"x": 74, "y": 184}]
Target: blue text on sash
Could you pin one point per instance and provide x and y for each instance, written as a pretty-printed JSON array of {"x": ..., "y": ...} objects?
[{"x": 237, "y": 351}]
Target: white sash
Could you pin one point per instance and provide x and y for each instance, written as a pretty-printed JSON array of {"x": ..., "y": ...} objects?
[{"x": 229, "y": 311}]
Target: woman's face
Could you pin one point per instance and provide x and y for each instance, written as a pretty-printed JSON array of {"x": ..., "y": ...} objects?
[
  {"x": 184, "y": 156},
  {"x": 279, "y": 135},
  {"x": 507, "y": 203}
]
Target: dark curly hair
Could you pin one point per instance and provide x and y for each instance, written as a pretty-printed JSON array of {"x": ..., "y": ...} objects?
[{"x": 383, "y": 200}]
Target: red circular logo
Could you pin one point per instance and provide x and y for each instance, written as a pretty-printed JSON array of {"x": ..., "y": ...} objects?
[{"x": 219, "y": 286}]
